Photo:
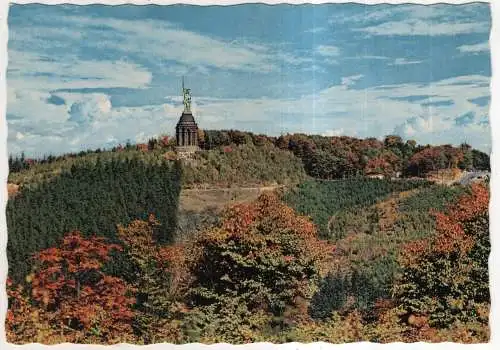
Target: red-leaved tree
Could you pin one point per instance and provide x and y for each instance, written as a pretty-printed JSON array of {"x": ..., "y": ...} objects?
[{"x": 77, "y": 297}]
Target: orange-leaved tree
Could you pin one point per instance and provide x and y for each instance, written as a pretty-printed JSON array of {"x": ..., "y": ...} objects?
[
  {"x": 263, "y": 259},
  {"x": 436, "y": 158},
  {"x": 26, "y": 323},
  {"x": 76, "y": 296},
  {"x": 387, "y": 163},
  {"x": 445, "y": 278}
]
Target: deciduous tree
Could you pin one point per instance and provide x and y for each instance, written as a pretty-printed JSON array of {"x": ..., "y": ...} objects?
[{"x": 446, "y": 278}]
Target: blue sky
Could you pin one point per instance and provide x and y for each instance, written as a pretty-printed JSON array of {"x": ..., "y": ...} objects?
[{"x": 95, "y": 76}]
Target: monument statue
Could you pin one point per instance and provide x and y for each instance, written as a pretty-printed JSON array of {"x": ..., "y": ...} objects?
[{"x": 187, "y": 97}]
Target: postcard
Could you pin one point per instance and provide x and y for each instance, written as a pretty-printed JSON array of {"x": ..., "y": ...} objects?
[{"x": 248, "y": 173}]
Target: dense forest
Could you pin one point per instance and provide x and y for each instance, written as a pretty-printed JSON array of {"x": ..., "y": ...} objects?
[
  {"x": 90, "y": 198},
  {"x": 325, "y": 253}
]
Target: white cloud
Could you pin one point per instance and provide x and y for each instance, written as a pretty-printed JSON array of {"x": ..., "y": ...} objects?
[
  {"x": 70, "y": 72},
  {"x": 314, "y": 68},
  {"x": 330, "y": 61},
  {"x": 315, "y": 30},
  {"x": 32, "y": 76},
  {"x": 350, "y": 80},
  {"x": 367, "y": 57},
  {"x": 404, "y": 61},
  {"x": 416, "y": 126},
  {"x": 418, "y": 11},
  {"x": 334, "y": 132},
  {"x": 416, "y": 19},
  {"x": 32, "y": 105},
  {"x": 161, "y": 40},
  {"x": 477, "y": 135},
  {"x": 328, "y": 50},
  {"x": 91, "y": 108},
  {"x": 29, "y": 93},
  {"x": 475, "y": 48},
  {"x": 368, "y": 112},
  {"x": 91, "y": 122},
  {"x": 413, "y": 26},
  {"x": 90, "y": 119},
  {"x": 171, "y": 43},
  {"x": 293, "y": 59}
]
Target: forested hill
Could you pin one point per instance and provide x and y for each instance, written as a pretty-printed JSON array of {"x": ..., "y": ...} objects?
[
  {"x": 197, "y": 251},
  {"x": 231, "y": 157},
  {"x": 95, "y": 190}
]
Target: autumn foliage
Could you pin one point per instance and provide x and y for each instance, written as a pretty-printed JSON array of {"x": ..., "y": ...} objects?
[
  {"x": 433, "y": 158},
  {"x": 73, "y": 293},
  {"x": 263, "y": 258},
  {"x": 260, "y": 241},
  {"x": 261, "y": 273},
  {"x": 445, "y": 278},
  {"x": 387, "y": 163}
]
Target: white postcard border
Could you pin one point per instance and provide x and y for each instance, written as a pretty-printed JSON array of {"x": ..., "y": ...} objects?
[{"x": 494, "y": 265}]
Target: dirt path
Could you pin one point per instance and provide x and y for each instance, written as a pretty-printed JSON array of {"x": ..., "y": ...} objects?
[
  {"x": 201, "y": 199},
  {"x": 229, "y": 189}
]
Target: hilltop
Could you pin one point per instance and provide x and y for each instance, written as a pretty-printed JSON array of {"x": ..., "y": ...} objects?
[{"x": 235, "y": 158}]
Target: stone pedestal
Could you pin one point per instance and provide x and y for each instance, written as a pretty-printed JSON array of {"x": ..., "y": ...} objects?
[
  {"x": 186, "y": 134},
  {"x": 186, "y": 152}
]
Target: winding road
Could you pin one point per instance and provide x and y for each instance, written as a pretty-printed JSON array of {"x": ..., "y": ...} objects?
[{"x": 469, "y": 177}]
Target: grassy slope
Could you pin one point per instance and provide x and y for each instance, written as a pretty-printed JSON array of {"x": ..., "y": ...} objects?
[
  {"x": 244, "y": 166},
  {"x": 241, "y": 166}
]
